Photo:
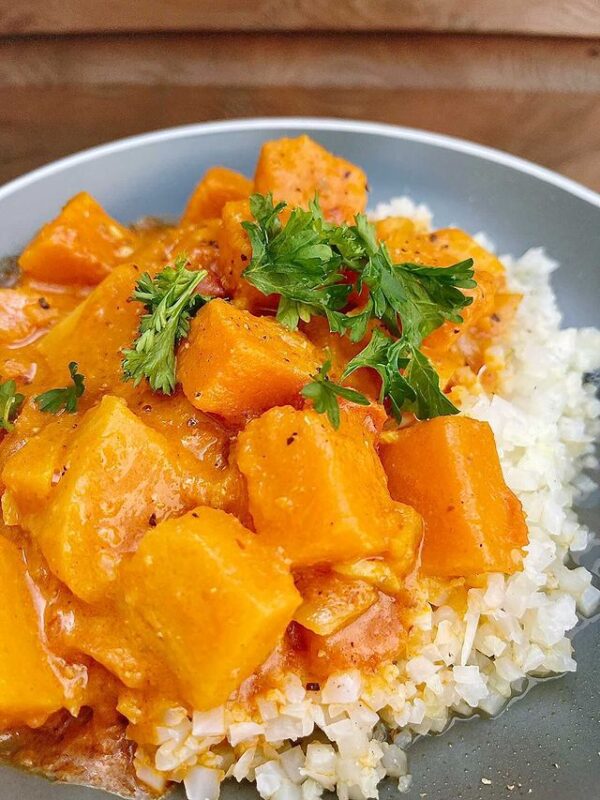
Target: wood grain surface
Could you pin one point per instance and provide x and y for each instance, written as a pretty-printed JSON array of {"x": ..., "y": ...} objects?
[
  {"x": 558, "y": 130},
  {"x": 340, "y": 60},
  {"x": 548, "y": 17},
  {"x": 523, "y": 77}
]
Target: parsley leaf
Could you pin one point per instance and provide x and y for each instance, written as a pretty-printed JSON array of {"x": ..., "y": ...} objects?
[
  {"x": 407, "y": 378},
  {"x": 386, "y": 356},
  {"x": 410, "y": 298},
  {"x": 296, "y": 261},
  {"x": 10, "y": 404},
  {"x": 324, "y": 394},
  {"x": 309, "y": 261},
  {"x": 429, "y": 400},
  {"x": 430, "y": 296},
  {"x": 55, "y": 400},
  {"x": 171, "y": 300}
]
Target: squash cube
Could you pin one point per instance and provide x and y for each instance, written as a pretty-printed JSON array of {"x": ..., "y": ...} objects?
[
  {"x": 378, "y": 635},
  {"x": 210, "y": 599},
  {"x": 235, "y": 254},
  {"x": 104, "y": 633},
  {"x": 317, "y": 493},
  {"x": 235, "y": 364},
  {"x": 218, "y": 186},
  {"x": 330, "y": 602},
  {"x": 448, "y": 469},
  {"x": 112, "y": 475},
  {"x": 235, "y": 250},
  {"x": 30, "y": 690},
  {"x": 94, "y": 334},
  {"x": 295, "y": 170},
  {"x": 31, "y": 472},
  {"x": 82, "y": 245}
]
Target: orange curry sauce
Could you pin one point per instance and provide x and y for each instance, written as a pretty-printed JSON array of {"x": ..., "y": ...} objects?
[{"x": 158, "y": 549}]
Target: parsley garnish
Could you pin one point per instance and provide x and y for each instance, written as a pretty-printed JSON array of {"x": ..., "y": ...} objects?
[
  {"x": 171, "y": 301},
  {"x": 407, "y": 378},
  {"x": 55, "y": 400},
  {"x": 304, "y": 261},
  {"x": 324, "y": 394},
  {"x": 410, "y": 299},
  {"x": 10, "y": 403},
  {"x": 296, "y": 261}
]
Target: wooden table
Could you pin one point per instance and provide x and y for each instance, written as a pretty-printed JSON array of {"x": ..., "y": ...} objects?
[{"x": 521, "y": 76}]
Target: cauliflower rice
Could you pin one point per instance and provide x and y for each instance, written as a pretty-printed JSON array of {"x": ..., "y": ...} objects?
[{"x": 296, "y": 744}]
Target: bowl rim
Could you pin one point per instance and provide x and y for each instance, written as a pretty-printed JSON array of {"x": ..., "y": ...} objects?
[{"x": 439, "y": 140}]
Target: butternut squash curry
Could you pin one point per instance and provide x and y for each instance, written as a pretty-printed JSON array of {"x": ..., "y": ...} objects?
[{"x": 230, "y": 450}]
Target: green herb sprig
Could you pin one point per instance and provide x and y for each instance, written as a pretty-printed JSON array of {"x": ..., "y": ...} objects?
[
  {"x": 10, "y": 404},
  {"x": 298, "y": 261},
  {"x": 306, "y": 261},
  {"x": 408, "y": 379},
  {"x": 65, "y": 398},
  {"x": 171, "y": 300},
  {"x": 324, "y": 394}
]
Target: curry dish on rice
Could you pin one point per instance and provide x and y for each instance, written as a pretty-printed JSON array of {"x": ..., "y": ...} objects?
[{"x": 231, "y": 452}]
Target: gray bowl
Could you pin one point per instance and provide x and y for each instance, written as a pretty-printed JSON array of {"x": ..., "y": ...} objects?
[{"x": 546, "y": 744}]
